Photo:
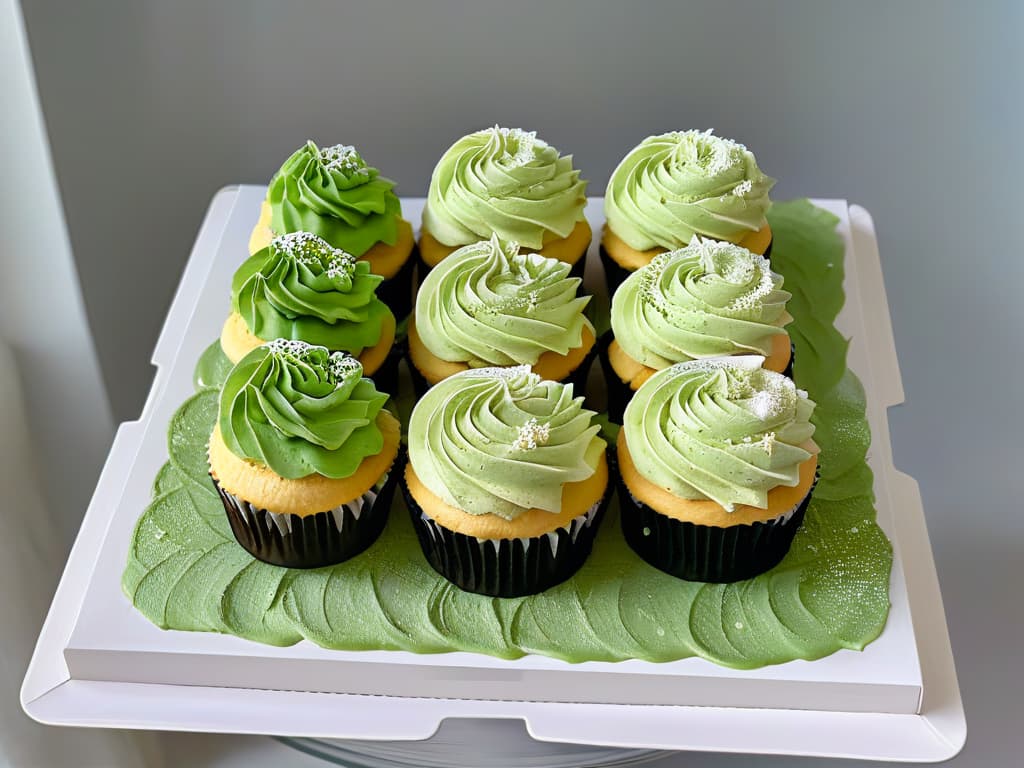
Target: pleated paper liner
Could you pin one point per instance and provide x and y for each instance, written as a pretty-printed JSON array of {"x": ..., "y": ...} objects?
[
  {"x": 615, "y": 274},
  {"x": 507, "y": 567},
  {"x": 578, "y": 378},
  {"x": 311, "y": 541},
  {"x": 619, "y": 393},
  {"x": 703, "y": 552},
  {"x": 396, "y": 291}
]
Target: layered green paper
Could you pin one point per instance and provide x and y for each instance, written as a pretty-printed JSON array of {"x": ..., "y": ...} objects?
[{"x": 186, "y": 572}]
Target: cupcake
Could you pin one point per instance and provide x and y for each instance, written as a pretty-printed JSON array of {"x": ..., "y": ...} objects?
[
  {"x": 301, "y": 288},
  {"x": 335, "y": 195},
  {"x": 488, "y": 304},
  {"x": 677, "y": 185},
  {"x": 507, "y": 182},
  {"x": 709, "y": 299},
  {"x": 301, "y": 455},
  {"x": 717, "y": 465},
  {"x": 506, "y": 481}
]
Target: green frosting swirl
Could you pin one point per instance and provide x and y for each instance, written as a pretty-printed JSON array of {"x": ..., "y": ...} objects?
[
  {"x": 677, "y": 185},
  {"x": 489, "y": 304},
  {"x": 705, "y": 300},
  {"x": 300, "y": 409},
  {"x": 722, "y": 429},
  {"x": 504, "y": 181},
  {"x": 502, "y": 441},
  {"x": 299, "y": 287},
  {"x": 333, "y": 193}
]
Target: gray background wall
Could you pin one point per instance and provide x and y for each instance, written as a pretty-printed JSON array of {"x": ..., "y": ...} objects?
[{"x": 911, "y": 109}]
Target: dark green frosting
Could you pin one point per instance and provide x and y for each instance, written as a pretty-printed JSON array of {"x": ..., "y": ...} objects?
[
  {"x": 333, "y": 193},
  {"x": 300, "y": 287},
  {"x": 300, "y": 410}
]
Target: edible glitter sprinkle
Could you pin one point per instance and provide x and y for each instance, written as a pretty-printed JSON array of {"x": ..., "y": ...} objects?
[
  {"x": 337, "y": 365},
  {"x": 743, "y": 188},
  {"x": 315, "y": 252},
  {"x": 728, "y": 262},
  {"x": 503, "y": 374},
  {"x": 765, "y": 404},
  {"x": 710, "y": 154},
  {"x": 767, "y": 442},
  {"x": 291, "y": 348},
  {"x": 516, "y": 145},
  {"x": 343, "y": 365},
  {"x": 343, "y": 158},
  {"x": 531, "y": 434}
]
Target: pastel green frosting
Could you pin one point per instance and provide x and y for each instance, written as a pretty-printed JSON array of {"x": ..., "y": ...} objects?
[
  {"x": 723, "y": 429},
  {"x": 705, "y": 300},
  {"x": 300, "y": 287},
  {"x": 504, "y": 181},
  {"x": 333, "y": 193},
  {"x": 300, "y": 410},
  {"x": 488, "y": 304},
  {"x": 185, "y": 571},
  {"x": 680, "y": 184},
  {"x": 502, "y": 441}
]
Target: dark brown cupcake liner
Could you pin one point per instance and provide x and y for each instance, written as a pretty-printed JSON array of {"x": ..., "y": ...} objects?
[
  {"x": 386, "y": 378},
  {"x": 396, "y": 291},
  {"x": 578, "y": 378},
  {"x": 788, "y": 370},
  {"x": 619, "y": 393},
  {"x": 707, "y": 553},
  {"x": 507, "y": 567},
  {"x": 615, "y": 274},
  {"x": 311, "y": 541}
]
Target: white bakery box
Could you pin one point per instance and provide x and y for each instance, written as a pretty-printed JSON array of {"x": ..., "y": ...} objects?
[{"x": 100, "y": 663}]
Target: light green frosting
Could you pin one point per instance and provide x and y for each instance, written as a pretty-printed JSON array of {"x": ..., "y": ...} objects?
[
  {"x": 488, "y": 304},
  {"x": 185, "y": 571},
  {"x": 677, "y": 185},
  {"x": 502, "y": 441},
  {"x": 300, "y": 410},
  {"x": 300, "y": 287},
  {"x": 504, "y": 181},
  {"x": 333, "y": 193},
  {"x": 705, "y": 300},
  {"x": 723, "y": 429}
]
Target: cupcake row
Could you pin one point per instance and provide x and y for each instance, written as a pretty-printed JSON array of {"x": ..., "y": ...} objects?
[
  {"x": 508, "y": 182},
  {"x": 508, "y": 476}
]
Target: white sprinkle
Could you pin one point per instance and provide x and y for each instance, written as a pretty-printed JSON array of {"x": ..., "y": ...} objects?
[
  {"x": 343, "y": 365},
  {"x": 743, "y": 188},
  {"x": 344, "y": 158},
  {"x": 506, "y": 373},
  {"x": 291, "y": 347},
  {"x": 738, "y": 625},
  {"x": 315, "y": 252},
  {"x": 531, "y": 434},
  {"x": 517, "y": 145},
  {"x": 765, "y": 404}
]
